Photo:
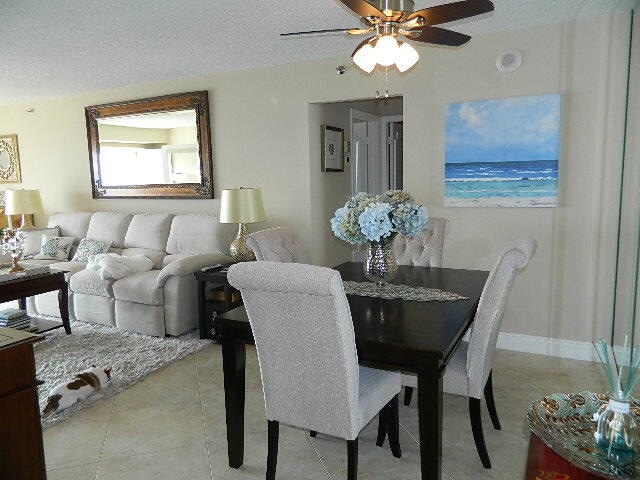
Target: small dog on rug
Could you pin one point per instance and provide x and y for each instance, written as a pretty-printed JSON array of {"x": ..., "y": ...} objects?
[{"x": 82, "y": 386}]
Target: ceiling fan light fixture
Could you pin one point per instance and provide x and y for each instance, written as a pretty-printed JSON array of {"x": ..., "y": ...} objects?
[
  {"x": 365, "y": 58},
  {"x": 386, "y": 50},
  {"x": 406, "y": 57}
]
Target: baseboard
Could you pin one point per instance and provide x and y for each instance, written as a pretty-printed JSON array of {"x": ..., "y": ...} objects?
[{"x": 551, "y": 347}]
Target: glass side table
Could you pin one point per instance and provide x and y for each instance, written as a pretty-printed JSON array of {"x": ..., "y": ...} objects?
[{"x": 562, "y": 445}]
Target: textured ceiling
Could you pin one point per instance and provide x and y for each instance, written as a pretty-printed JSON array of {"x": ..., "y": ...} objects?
[{"x": 64, "y": 47}]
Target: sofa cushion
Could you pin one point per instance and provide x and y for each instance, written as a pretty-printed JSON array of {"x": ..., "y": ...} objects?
[
  {"x": 200, "y": 233},
  {"x": 72, "y": 224},
  {"x": 109, "y": 227},
  {"x": 172, "y": 258},
  {"x": 90, "y": 247},
  {"x": 139, "y": 288},
  {"x": 148, "y": 230},
  {"x": 70, "y": 268},
  {"x": 33, "y": 239},
  {"x": 89, "y": 282},
  {"x": 55, "y": 248},
  {"x": 155, "y": 256},
  {"x": 40, "y": 263}
]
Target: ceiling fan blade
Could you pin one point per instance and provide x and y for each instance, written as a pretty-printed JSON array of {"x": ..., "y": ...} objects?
[
  {"x": 452, "y": 11},
  {"x": 360, "y": 31},
  {"x": 311, "y": 32},
  {"x": 438, "y": 36},
  {"x": 363, "y": 8},
  {"x": 362, "y": 44}
]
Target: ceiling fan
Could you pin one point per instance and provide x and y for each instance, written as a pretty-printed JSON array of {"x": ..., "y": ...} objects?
[{"x": 391, "y": 18}]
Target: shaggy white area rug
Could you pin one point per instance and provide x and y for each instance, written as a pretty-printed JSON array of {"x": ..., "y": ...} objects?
[{"x": 132, "y": 357}]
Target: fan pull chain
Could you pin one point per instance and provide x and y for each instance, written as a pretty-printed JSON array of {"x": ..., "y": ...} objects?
[{"x": 386, "y": 84}]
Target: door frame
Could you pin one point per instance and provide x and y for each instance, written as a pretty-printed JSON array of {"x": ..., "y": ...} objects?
[{"x": 384, "y": 141}]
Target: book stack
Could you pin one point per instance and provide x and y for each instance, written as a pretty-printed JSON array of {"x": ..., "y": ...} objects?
[{"x": 17, "y": 319}]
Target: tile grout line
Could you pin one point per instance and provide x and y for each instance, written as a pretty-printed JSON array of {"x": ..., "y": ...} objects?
[
  {"x": 204, "y": 422},
  {"x": 318, "y": 455},
  {"x": 104, "y": 440},
  {"x": 418, "y": 443},
  {"x": 409, "y": 433}
]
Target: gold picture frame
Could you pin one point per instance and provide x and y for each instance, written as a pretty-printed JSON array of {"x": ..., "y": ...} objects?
[
  {"x": 9, "y": 159},
  {"x": 332, "y": 149}
]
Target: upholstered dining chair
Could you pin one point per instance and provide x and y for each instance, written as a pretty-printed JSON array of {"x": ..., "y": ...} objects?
[
  {"x": 469, "y": 370},
  {"x": 280, "y": 244},
  {"x": 424, "y": 250},
  {"x": 305, "y": 341}
]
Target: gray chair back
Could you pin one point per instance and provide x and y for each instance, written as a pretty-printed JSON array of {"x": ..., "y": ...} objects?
[
  {"x": 306, "y": 348},
  {"x": 279, "y": 244},
  {"x": 486, "y": 325},
  {"x": 425, "y": 250}
]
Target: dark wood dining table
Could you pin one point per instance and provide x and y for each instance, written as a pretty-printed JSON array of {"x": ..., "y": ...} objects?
[{"x": 401, "y": 335}]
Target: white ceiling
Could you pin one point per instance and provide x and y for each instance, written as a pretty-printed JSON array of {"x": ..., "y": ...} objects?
[{"x": 64, "y": 47}]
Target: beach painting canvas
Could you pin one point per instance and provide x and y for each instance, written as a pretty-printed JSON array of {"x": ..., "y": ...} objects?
[{"x": 502, "y": 153}]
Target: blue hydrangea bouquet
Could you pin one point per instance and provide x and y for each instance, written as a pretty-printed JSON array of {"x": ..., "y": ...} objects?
[{"x": 369, "y": 218}]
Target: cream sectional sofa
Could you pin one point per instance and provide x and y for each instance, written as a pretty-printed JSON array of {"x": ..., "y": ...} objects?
[{"x": 159, "y": 302}]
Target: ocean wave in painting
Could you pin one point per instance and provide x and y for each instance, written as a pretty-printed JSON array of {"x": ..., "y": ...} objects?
[{"x": 524, "y": 179}]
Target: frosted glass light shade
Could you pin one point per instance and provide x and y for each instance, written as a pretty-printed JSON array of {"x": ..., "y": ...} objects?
[
  {"x": 21, "y": 202},
  {"x": 365, "y": 58},
  {"x": 406, "y": 57},
  {"x": 386, "y": 50},
  {"x": 241, "y": 205}
]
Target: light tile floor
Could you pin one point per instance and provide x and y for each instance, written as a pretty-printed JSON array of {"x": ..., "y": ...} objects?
[{"x": 171, "y": 426}]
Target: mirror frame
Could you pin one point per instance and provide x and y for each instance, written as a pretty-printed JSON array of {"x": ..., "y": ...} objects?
[{"x": 198, "y": 101}]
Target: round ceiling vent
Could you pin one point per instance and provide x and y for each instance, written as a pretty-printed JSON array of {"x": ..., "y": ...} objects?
[{"x": 509, "y": 61}]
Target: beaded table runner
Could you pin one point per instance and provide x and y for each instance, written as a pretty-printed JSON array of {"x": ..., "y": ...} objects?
[{"x": 390, "y": 291}]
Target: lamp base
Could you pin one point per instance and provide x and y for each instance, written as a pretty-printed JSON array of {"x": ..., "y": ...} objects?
[
  {"x": 27, "y": 223},
  {"x": 238, "y": 249}
]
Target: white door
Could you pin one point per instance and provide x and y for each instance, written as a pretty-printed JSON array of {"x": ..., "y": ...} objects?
[
  {"x": 366, "y": 170},
  {"x": 392, "y": 147}
]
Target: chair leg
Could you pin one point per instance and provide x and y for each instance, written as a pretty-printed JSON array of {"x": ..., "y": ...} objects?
[
  {"x": 408, "y": 393},
  {"x": 478, "y": 435},
  {"x": 352, "y": 459},
  {"x": 383, "y": 419},
  {"x": 313, "y": 433},
  {"x": 393, "y": 427},
  {"x": 491, "y": 404},
  {"x": 272, "y": 449}
]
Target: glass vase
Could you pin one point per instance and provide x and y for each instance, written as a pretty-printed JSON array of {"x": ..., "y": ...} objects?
[
  {"x": 617, "y": 430},
  {"x": 380, "y": 264}
]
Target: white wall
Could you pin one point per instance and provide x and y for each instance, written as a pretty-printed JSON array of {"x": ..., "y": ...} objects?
[{"x": 260, "y": 136}]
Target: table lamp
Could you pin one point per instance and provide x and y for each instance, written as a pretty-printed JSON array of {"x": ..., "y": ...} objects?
[
  {"x": 241, "y": 206},
  {"x": 22, "y": 202}
]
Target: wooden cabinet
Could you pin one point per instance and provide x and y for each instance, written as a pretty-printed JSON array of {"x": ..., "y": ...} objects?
[{"x": 21, "y": 447}]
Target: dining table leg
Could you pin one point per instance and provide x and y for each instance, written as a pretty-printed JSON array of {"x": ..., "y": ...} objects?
[
  {"x": 233, "y": 365},
  {"x": 430, "y": 423}
]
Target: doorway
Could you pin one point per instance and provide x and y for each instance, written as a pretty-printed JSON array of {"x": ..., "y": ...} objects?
[{"x": 377, "y": 147}]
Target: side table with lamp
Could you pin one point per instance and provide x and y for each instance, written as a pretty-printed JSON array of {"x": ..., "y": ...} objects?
[{"x": 215, "y": 295}]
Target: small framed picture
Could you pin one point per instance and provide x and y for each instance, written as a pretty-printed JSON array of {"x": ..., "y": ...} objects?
[
  {"x": 332, "y": 149},
  {"x": 9, "y": 159}
]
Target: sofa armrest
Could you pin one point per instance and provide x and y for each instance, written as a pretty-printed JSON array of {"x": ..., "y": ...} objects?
[{"x": 191, "y": 264}]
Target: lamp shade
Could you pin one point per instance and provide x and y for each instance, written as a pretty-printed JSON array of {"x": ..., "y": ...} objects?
[
  {"x": 22, "y": 202},
  {"x": 241, "y": 205}
]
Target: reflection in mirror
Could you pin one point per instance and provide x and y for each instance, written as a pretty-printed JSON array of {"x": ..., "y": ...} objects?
[
  {"x": 155, "y": 147},
  {"x": 147, "y": 149}
]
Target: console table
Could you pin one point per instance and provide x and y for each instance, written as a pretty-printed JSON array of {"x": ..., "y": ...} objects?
[{"x": 21, "y": 447}]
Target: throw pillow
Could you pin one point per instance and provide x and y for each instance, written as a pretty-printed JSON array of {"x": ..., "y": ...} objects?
[
  {"x": 90, "y": 247},
  {"x": 55, "y": 248},
  {"x": 33, "y": 239}
]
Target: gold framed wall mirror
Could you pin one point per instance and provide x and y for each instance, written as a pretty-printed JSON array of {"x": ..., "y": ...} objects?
[{"x": 156, "y": 147}]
